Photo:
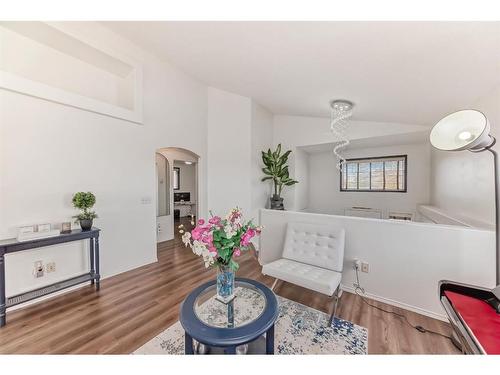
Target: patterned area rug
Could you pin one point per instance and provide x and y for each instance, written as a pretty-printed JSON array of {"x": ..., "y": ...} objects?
[{"x": 299, "y": 330}]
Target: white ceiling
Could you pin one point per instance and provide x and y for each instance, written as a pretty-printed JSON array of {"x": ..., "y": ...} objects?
[
  {"x": 406, "y": 72},
  {"x": 363, "y": 143}
]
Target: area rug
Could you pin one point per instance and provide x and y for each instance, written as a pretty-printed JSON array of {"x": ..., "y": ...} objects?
[{"x": 299, "y": 330}]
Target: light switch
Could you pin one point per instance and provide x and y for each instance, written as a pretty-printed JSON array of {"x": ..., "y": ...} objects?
[{"x": 146, "y": 200}]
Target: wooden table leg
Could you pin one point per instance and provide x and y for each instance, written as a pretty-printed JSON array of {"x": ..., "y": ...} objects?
[
  {"x": 188, "y": 344},
  {"x": 3, "y": 303},
  {"x": 270, "y": 340}
]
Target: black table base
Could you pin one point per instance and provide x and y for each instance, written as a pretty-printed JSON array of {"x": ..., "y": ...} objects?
[
  {"x": 263, "y": 345},
  {"x": 13, "y": 246}
]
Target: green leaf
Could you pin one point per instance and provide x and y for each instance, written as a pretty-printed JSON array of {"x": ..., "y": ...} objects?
[
  {"x": 284, "y": 157},
  {"x": 267, "y": 171},
  {"x": 234, "y": 266}
]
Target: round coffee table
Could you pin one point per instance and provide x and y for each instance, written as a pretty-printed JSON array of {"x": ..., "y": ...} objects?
[{"x": 223, "y": 327}]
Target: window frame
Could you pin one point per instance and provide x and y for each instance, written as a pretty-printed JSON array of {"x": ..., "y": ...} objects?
[
  {"x": 405, "y": 190},
  {"x": 178, "y": 170}
]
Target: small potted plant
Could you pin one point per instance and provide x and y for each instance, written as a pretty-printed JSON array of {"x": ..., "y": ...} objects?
[
  {"x": 276, "y": 169},
  {"x": 84, "y": 201}
]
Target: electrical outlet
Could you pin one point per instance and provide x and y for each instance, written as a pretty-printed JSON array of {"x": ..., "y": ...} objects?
[
  {"x": 365, "y": 267},
  {"x": 50, "y": 267},
  {"x": 38, "y": 270}
]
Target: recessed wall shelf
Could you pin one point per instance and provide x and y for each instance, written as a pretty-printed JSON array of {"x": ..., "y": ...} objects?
[{"x": 52, "y": 61}]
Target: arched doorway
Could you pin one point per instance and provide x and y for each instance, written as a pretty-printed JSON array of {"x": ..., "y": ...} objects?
[{"x": 178, "y": 190}]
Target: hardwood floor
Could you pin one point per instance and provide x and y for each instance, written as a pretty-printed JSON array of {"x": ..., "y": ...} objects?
[{"x": 133, "y": 307}]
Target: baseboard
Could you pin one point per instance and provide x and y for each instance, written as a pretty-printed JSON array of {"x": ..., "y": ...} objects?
[
  {"x": 132, "y": 267},
  {"x": 76, "y": 287},
  {"x": 402, "y": 305}
]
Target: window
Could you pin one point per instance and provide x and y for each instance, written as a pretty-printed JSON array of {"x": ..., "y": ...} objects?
[
  {"x": 387, "y": 173},
  {"x": 177, "y": 178}
]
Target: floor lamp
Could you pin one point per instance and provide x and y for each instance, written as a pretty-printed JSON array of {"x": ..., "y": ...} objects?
[{"x": 470, "y": 130}]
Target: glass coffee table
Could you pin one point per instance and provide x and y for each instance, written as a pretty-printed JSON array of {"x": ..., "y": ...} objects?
[{"x": 246, "y": 324}]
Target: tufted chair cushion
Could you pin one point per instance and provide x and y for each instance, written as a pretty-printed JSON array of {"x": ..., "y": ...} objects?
[
  {"x": 311, "y": 277},
  {"x": 315, "y": 244}
]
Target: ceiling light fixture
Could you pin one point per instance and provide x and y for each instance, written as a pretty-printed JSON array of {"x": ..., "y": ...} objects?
[{"x": 340, "y": 114}]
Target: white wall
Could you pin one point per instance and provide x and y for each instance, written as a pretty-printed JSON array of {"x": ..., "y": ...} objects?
[
  {"x": 301, "y": 190},
  {"x": 406, "y": 259},
  {"x": 463, "y": 182},
  {"x": 261, "y": 140},
  {"x": 324, "y": 182},
  {"x": 297, "y": 131},
  {"x": 163, "y": 185},
  {"x": 48, "y": 151},
  {"x": 229, "y": 155}
]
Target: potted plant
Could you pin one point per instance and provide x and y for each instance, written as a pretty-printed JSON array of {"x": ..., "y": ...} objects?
[
  {"x": 84, "y": 201},
  {"x": 219, "y": 242},
  {"x": 276, "y": 169}
]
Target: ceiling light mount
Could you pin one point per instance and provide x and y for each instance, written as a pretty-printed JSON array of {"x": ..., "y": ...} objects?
[{"x": 341, "y": 105}]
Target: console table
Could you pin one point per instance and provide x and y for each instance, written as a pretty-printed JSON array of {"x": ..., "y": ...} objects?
[{"x": 13, "y": 245}]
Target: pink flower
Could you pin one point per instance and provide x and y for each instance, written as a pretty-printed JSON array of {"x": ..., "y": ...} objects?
[
  {"x": 196, "y": 233},
  {"x": 244, "y": 240},
  {"x": 201, "y": 222},
  {"x": 235, "y": 217},
  {"x": 215, "y": 220},
  {"x": 237, "y": 252},
  {"x": 199, "y": 232},
  {"x": 208, "y": 238},
  {"x": 247, "y": 236}
]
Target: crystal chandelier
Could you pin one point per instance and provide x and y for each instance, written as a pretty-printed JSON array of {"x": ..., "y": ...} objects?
[{"x": 341, "y": 112}]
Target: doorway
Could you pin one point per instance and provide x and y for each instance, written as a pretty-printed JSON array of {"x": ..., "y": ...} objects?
[{"x": 177, "y": 197}]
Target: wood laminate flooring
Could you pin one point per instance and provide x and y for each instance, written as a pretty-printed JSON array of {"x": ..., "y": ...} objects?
[{"x": 133, "y": 307}]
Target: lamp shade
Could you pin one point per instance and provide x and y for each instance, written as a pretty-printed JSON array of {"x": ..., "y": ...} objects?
[{"x": 463, "y": 130}]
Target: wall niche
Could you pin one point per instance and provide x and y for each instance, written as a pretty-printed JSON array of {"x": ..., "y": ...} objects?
[{"x": 50, "y": 61}]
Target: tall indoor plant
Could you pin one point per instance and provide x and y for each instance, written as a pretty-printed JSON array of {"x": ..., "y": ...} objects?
[
  {"x": 276, "y": 169},
  {"x": 84, "y": 201},
  {"x": 219, "y": 241}
]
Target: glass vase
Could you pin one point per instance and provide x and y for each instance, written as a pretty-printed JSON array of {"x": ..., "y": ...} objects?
[{"x": 225, "y": 284}]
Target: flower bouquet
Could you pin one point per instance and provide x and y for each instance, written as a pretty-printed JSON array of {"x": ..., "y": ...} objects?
[{"x": 219, "y": 241}]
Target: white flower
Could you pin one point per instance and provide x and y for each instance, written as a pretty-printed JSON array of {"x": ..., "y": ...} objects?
[
  {"x": 199, "y": 248},
  {"x": 186, "y": 239},
  {"x": 208, "y": 258},
  {"x": 230, "y": 232}
]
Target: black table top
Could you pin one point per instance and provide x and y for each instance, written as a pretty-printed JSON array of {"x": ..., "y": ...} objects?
[
  {"x": 222, "y": 337},
  {"x": 12, "y": 244}
]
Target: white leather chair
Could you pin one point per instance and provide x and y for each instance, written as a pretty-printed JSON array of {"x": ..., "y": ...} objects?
[{"x": 312, "y": 257}]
